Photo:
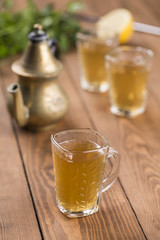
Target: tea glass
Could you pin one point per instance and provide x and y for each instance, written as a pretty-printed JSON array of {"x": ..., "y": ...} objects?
[
  {"x": 128, "y": 70},
  {"x": 79, "y": 159},
  {"x": 91, "y": 54}
]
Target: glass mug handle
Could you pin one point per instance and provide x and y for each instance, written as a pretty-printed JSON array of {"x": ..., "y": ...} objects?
[{"x": 109, "y": 180}]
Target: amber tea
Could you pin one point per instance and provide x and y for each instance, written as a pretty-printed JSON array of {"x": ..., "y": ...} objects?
[
  {"x": 128, "y": 69},
  {"x": 78, "y": 180},
  {"x": 128, "y": 86},
  {"x": 92, "y": 51},
  {"x": 93, "y": 62}
]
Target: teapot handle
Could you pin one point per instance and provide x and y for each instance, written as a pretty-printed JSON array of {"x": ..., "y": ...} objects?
[{"x": 53, "y": 44}]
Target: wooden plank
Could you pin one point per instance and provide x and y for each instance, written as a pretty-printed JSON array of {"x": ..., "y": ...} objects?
[
  {"x": 140, "y": 158},
  {"x": 137, "y": 139},
  {"x": 138, "y": 142},
  {"x": 17, "y": 215},
  {"x": 115, "y": 219}
]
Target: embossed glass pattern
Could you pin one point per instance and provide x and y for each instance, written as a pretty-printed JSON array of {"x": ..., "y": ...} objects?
[{"x": 79, "y": 158}]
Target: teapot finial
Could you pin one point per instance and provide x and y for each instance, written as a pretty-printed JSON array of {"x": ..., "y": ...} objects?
[{"x": 37, "y": 27}]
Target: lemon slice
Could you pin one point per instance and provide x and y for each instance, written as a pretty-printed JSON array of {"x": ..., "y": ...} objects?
[{"x": 118, "y": 21}]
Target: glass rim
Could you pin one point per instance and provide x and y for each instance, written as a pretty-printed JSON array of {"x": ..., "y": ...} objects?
[
  {"x": 94, "y": 38},
  {"x": 111, "y": 56},
  {"x": 53, "y": 140}
]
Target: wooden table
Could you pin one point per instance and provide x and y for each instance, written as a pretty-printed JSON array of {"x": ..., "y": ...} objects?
[{"x": 128, "y": 210}]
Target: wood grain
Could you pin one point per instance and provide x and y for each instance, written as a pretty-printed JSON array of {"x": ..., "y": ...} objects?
[
  {"x": 131, "y": 208},
  {"x": 17, "y": 215},
  {"x": 142, "y": 154},
  {"x": 36, "y": 153},
  {"x": 140, "y": 166}
]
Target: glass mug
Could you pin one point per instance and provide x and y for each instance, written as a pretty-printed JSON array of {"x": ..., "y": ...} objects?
[
  {"x": 79, "y": 159},
  {"x": 91, "y": 54},
  {"x": 128, "y": 68}
]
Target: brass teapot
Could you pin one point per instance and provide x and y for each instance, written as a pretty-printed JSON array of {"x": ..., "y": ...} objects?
[{"x": 37, "y": 101}]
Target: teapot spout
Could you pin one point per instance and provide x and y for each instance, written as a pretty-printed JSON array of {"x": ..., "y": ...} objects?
[{"x": 20, "y": 111}]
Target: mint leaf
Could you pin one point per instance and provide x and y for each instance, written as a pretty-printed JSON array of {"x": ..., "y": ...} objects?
[{"x": 15, "y": 27}]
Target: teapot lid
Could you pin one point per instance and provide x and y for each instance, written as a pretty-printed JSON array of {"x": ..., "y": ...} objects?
[{"x": 38, "y": 59}]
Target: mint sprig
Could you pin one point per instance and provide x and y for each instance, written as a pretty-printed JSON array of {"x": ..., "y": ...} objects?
[{"x": 15, "y": 27}]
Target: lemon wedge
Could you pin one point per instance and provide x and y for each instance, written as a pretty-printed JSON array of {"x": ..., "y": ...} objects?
[{"x": 118, "y": 21}]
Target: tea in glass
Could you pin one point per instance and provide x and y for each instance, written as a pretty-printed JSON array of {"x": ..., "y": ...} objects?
[
  {"x": 128, "y": 69},
  {"x": 91, "y": 52},
  {"x": 79, "y": 159},
  {"x": 78, "y": 181}
]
